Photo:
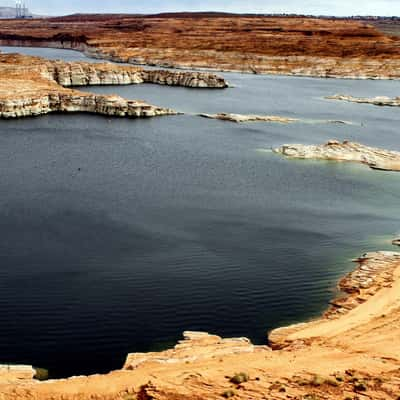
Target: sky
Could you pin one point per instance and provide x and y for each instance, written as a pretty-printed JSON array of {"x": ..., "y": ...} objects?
[{"x": 316, "y": 7}]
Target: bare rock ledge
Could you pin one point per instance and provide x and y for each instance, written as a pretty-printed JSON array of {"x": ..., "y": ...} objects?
[
  {"x": 74, "y": 101},
  {"x": 375, "y": 158},
  {"x": 195, "y": 346},
  {"x": 85, "y": 73}
]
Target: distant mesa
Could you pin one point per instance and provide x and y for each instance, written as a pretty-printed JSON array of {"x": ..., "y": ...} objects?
[{"x": 260, "y": 44}]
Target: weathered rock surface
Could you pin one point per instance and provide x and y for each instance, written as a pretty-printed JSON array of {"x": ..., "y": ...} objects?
[
  {"x": 375, "y": 158},
  {"x": 196, "y": 346},
  {"x": 84, "y": 74},
  {"x": 16, "y": 372},
  {"x": 249, "y": 118},
  {"x": 293, "y": 46},
  {"x": 376, "y": 101},
  {"x": 33, "y": 86},
  {"x": 73, "y": 101}
]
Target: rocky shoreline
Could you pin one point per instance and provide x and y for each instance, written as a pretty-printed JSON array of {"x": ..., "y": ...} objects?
[
  {"x": 75, "y": 101},
  {"x": 86, "y": 74},
  {"x": 374, "y": 271},
  {"x": 334, "y": 150},
  {"x": 364, "y": 68},
  {"x": 31, "y": 86}
]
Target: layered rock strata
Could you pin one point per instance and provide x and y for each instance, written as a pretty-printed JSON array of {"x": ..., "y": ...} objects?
[
  {"x": 74, "y": 101},
  {"x": 32, "y": 86},
  {"x": 376, "y": 101},
  {"x": 333, "y": 150},
  {"x": 195, "y": 346},
  {"x": 256, "y": 44},
  {"x": 84, "y": 74}
]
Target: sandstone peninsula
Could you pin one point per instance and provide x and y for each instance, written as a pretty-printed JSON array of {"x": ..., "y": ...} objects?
[
  {"x": 333, "y": 150},
  {"x": 270, "y": 45},
  {"x": 352, "y": 352},
  {"x": 32, "y": 86}
]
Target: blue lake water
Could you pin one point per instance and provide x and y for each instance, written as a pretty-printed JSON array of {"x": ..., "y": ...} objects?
[{"x": 118, "y": 234}]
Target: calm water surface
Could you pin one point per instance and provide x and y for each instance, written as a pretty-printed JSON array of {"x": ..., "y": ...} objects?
[{"x": 116, "y": 235}]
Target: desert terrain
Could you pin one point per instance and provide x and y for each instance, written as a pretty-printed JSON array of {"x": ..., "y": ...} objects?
[{"x": 274, "y": 45}]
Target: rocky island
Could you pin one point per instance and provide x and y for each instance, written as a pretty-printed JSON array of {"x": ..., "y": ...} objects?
[
  {"x": 302, "y": 46},
  {"x": 32, "y": 86},
  {"x": 334, "y": 150},
  {"x": 376, "y": 101},
  {"x": 249, "y": 118}
]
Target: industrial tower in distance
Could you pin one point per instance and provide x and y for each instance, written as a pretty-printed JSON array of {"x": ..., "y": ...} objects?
[{"x": 20, "y": 10}]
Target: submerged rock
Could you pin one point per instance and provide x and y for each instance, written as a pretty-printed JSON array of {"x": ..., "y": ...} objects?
[
  {"x": 249, "y": 118},
  {"x": 377, "y": 101},
  {"x": 374, "y": 157}
]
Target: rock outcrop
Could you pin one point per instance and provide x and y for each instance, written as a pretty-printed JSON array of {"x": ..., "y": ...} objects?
[
  {"x": 195, "y": 346},
  {"x": 249, "y": 118},
  {"x": 375, "y": 158},
  {"x": 85, "y": 74},
  {"x": 376, "y": 101},
  {"x": 33, "y": 86},
  {"x": 74, "y": 101}
]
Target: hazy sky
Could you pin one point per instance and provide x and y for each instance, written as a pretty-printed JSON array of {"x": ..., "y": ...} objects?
[{"x": 329, "y": 7}]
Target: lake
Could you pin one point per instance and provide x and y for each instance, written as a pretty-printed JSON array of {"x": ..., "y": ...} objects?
[{"x": 119, "y": 234}]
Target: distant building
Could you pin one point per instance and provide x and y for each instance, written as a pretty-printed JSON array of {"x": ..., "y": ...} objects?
[{"x": 21, "y": 11}]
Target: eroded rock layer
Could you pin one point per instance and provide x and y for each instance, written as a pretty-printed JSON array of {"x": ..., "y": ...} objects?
[
  {"x": 84, "y": 74},
  {"x": 295, "y": 46},
  {"x": 74, "y": 101},
  {"x": 333, "y": 150},
  {"x": 33, "y": 86}
]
